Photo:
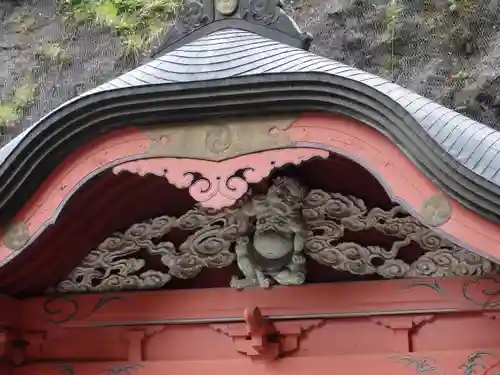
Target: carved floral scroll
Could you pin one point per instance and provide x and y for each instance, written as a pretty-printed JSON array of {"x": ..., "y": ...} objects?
[
  {"x": 220, "y": 184},
  {"x": 272, "y": 237}
]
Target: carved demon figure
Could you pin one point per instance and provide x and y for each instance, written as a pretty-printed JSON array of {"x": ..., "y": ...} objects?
[
  {"x": 274, "y": 247},
  {"x": 269, "y": 236}
]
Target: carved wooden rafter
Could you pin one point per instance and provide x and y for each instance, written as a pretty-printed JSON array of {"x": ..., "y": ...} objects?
[{"x": 212, "y": 235}]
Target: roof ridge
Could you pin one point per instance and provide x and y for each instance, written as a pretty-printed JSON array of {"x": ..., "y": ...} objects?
[{"x": 264, "y": 17}]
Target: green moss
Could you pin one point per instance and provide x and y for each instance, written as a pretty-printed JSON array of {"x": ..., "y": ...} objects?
[
  {"x": 24, "y": 22},
  {"x": 392, "y": 14},
  {"x": 136, "y": 22},
  {"x": 11, "y": 109},
  {"x": 53, "y": 52},
  {"x": 133, "y": 44},
  {"x": 24, "y": 93},
  {"x": 460, "y": 6},
  {"x": 8, "y": 114}
]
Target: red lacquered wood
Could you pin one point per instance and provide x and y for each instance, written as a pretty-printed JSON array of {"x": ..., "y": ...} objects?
[
  {"x": 69, "y": 175},
  {"x": 218, "y": 187},
  {"x": 401, "y": 178},
  {"x": 404, "y": 181},
  {"x": 484, "y": 362},
  {"x": 454, "y": 294},
  {"x": 448, "y": 324},
  {"x": 10, "y": 310}
]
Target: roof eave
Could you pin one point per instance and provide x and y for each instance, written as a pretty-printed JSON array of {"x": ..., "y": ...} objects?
[{"x": 54, "y": 137}]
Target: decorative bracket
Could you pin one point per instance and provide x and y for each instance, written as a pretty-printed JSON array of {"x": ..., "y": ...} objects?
[
  {"x": 265, "y": 340},
  {"x": 403, "y": 327},
  {"x": 136, "y": 338},
  {"x": 135, "y": 342},
  {"x": 15, "y": 345}
]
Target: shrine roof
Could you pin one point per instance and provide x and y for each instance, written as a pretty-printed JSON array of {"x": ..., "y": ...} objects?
[
  {"x": 231, "y": 52},
  {"x": 223, "y": 51}
]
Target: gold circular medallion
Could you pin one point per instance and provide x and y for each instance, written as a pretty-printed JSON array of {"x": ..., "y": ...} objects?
[
  {"x": 436, "y": 210},
  {"x": 16, "y": 236},
  {"x": 218, "y": 139},
  {"x": 226, "y": 7}
]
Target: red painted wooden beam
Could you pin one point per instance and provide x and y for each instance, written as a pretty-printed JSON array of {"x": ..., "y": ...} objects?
[
  {"x": 352, "y": 139},
  {"x": 421, "y": 296},
  {"x": 9, "y": 311},
  {"x": 483, "y": 362}
]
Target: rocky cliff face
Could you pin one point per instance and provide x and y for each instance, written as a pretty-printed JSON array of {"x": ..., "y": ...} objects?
[
  {"x": 446, "y": 50},
  {"x": 44, "y": 63}
]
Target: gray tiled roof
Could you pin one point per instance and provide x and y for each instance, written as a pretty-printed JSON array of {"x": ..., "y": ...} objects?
[{"x": 230, "y": 53}]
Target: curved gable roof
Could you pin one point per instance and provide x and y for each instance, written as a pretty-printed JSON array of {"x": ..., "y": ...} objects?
[
  {"x": 460, "y": 154},
  {"x": 230, "y": 53}
]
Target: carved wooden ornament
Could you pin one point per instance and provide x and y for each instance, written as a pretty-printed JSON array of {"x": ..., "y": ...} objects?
[
  {"x": 226, "y": 7},
  {"x": 220, "y": 140},
  {"x": 271, "y": 237},
  {"x": 218, "y": 184}
]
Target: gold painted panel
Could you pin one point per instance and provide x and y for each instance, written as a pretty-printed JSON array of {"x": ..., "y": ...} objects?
[{"x": 220, "y": 140}]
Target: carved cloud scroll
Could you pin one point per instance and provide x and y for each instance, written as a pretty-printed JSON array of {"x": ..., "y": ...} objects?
[
  {"x": 220, "y": 184},
  {"x": 271, "y": 237}
]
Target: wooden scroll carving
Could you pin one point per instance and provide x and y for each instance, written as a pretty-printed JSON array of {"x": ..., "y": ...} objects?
[
  {"x": 219, "y": 184},
  {"x": 264, "y": 340},
  {"x": 271, "y": 237}
]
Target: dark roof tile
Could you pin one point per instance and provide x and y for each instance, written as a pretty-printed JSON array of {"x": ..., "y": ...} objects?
[{"x": 232, "y": 52}]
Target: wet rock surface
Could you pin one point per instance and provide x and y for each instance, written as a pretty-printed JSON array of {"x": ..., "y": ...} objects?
[
  {"x": 92, "y": 56},
  {"x": 445, "y": 50}
]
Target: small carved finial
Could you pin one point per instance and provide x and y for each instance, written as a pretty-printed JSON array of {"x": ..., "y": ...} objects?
[
  {"x": 226, "y": 7},
  {"x": 192, "y": 16},
  {"x": 263, "y": 17}
]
